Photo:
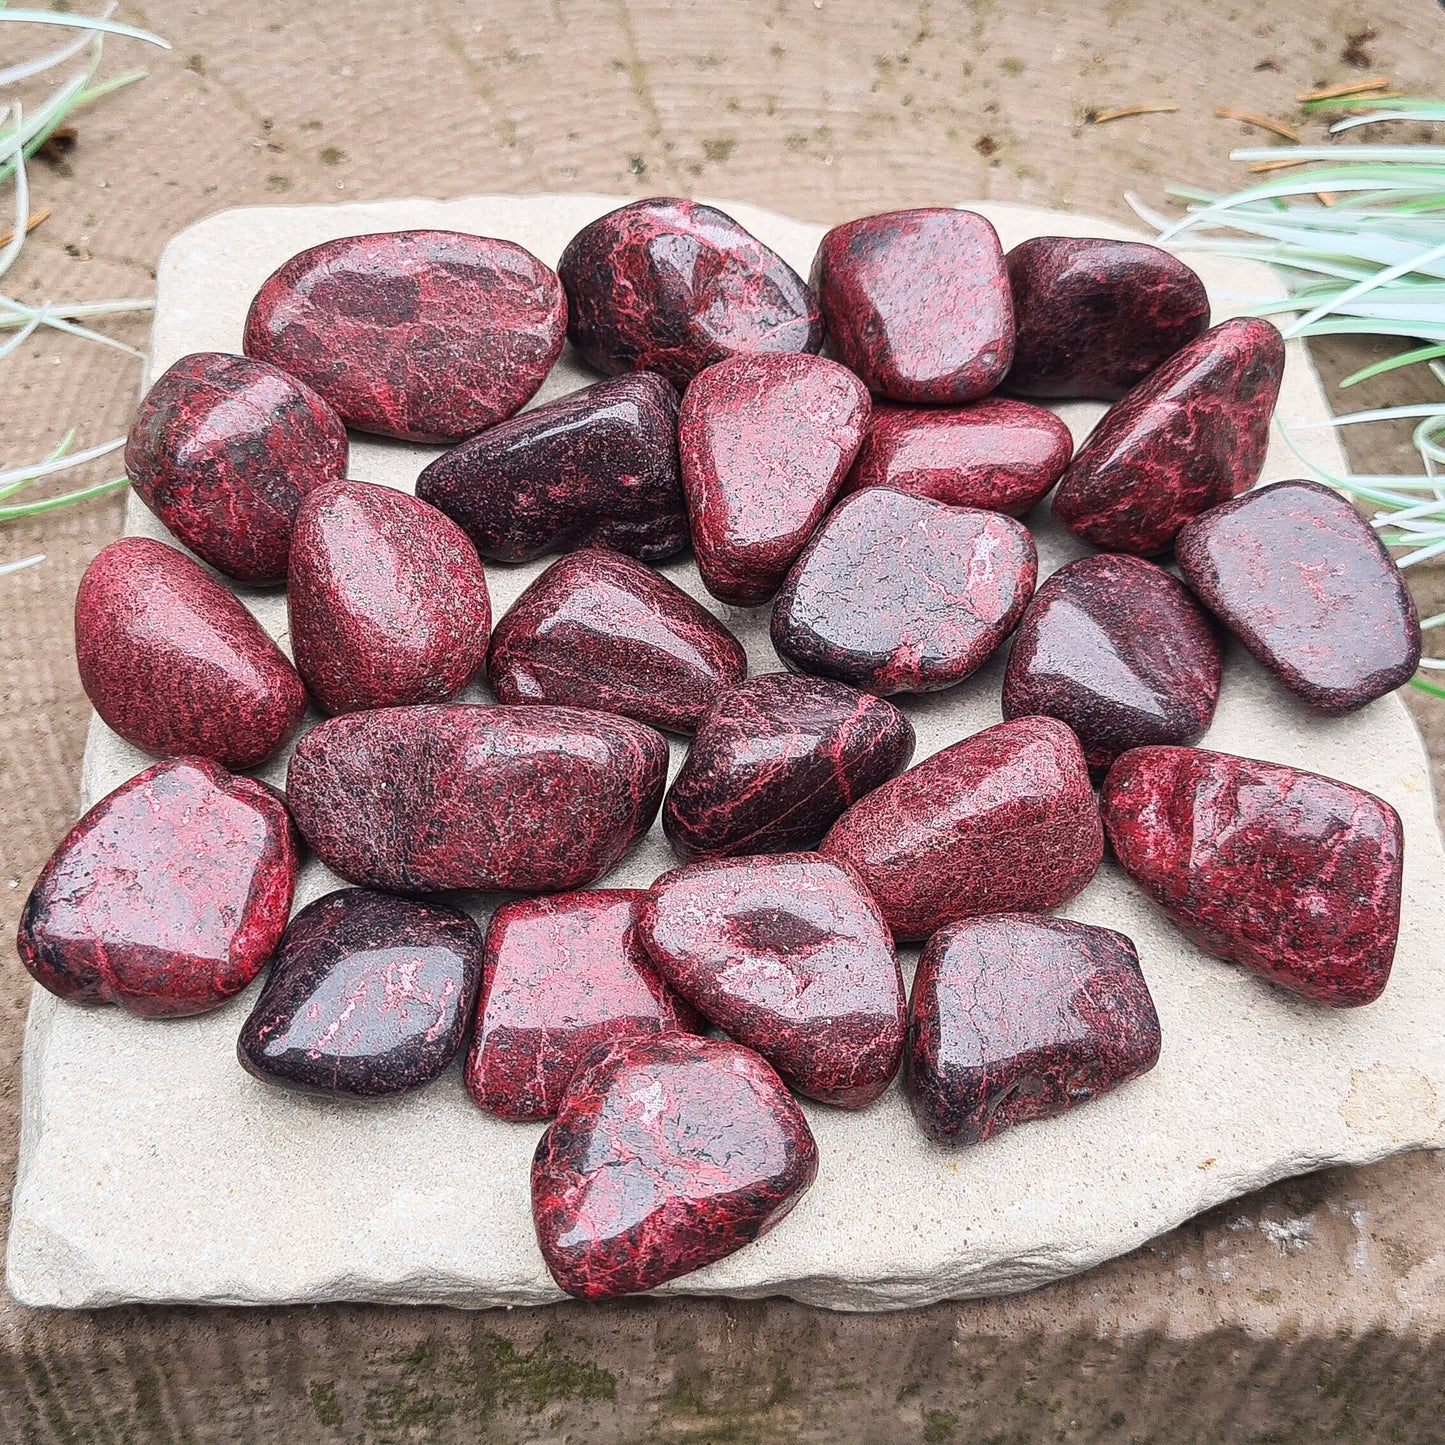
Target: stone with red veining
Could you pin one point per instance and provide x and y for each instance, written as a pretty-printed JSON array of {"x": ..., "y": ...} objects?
[
  {"x": 425, "y": 335},
  {"x": 595, "y": 468},
  {"x": 1016, "y": 1017},
  {"x": 790, "y": 956},
  {"x": 667, "y": 1153},
  {"x": 1005, "y": 820},
  {"x": 223, "y": 449},
  {"x": 563, "y": 976},
  {"x": 167, "y": 897},
  {"x": 422, "y": 799},
  {"x": 672, "y": 286},
  {"x": 368, "y": 995},
  {"x": 897, "y": 593},
  {"x": 175, "y": 664},
  {"x": 765, "y": 442},
  {"x": 600, "y": 630},
  {"x": 1294, "y": 875},
  {"x": 1305, "y": 583},
  {"x": 386, "y": 597},
  {"x": 776, "y": 760},
  {"x": 1192, "y": 434},
  {"x": 917, "y": 303}
]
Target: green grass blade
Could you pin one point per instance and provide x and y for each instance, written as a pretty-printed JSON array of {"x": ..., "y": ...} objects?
[{"x": 97, "y": 23}]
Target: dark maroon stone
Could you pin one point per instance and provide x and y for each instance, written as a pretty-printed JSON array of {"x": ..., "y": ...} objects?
[
  {"x": 903, "y": 594},
  {"x": 421, "y": 799},
  {"x": 1294, "y": 875},
  {"x": 667, "y": 1153},
  {"x": 1306, "y": 584},
  {"x": 1192, "y": 434},
  {"x": 425, "y": 335},
  {"x": 167, "y": 897},
  {"x": 1015, "y": 1017}
]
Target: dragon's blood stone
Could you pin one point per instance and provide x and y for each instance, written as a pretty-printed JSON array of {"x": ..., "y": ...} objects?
[
  {"x": 421, "y": 799},
  {"x": 600, "y": 630},
  {"x": 175, "y": 664},
  {"x": 1306, "y": 584},
  {"x": 917, "y": 303},
  {"x": 595, "y": 468},
  {"x": 1095, "y": 317},
  {"x": 672, "y": 286},
  {"x": 368, "y": 995},
  {"x": 1119, "y": 650},
  {"x": 1192, "y": 434},
  {"x": 1294, "y": 875},
  {"x": 562, "y": 976},
  {"x": 222, "y": 450},
  {"x": 387, "y": 599},
  {"x": 1005, "y": 820},
  {"x": 167, "y": 897},
  {"x": 667, "y": 1153},
  {"x": 776, "y": 760},
  {"x": 425, "y": 335},
  {"x": 790, "y": 956},
  {"x": 897, "y": 593},
  {"x": 765, "y": 442},
  {"x": 1016, "y": 1017}
]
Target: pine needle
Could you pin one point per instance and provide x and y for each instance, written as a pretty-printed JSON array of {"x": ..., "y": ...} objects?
[
  {"x": 1264, "y": 122},
  {"x": 1350, "y": 87},
  {"x": 1121, "y": 112}
]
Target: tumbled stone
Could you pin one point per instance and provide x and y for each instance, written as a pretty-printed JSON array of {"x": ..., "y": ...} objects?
[
  {"x": 917, "y": 303},
  {"x": 421, "y": 799},
  {"x": 903, "y": 594},
  {"x": 1016, "y": 1017},
  {"x": 387, "y": 600},
  {"x": 776, "y": 760},
  {"x": 167, "y": 897},
  {"x": 1002, "y": 821},
  {"x": 174, "y": 663},
  {"x": 1192, "y": 434},
  {"x": 765, "y": 443},
  {"x": 667, "y": 1153},
  {"x": 600, "y": 630},
  {"x": 1294, "y": 875},
  {"x": 1305, "y": 583},
  {"x": 425, "y": 335},
  {"x": 563, "y": 976},
  {"x": 1118, "y": 649},
  {"x": 672, "y": 286},
  {"x": 368, "y": 995},
  {"x": 222, "y": 450}
]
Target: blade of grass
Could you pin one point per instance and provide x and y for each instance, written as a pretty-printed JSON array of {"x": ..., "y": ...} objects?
[{"x": 97, "y": 23}]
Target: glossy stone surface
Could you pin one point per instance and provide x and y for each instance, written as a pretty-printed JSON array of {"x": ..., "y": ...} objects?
[
  {"x": 387, "y": 600},
  {"x": 222, "y": 450},
  {"x": 368, "y": 995},
  {"x": 917, "y": 303},
  {"x": 790, "y": 956},
  {"x": 595, "y": 468},
  {"x": 1002, "y": 821},
  {"x": 421, "y": 799},
  {"x": 672, "y": 286},
  {"x": 174, "y": 663},
  {"x": 599, "y": 630},
  {"x": 903, "y": 594},
  {"x": 1095, "y": 316},
  {"x": 1016, "y": 1017},
  {"x": 1119, "y": 650},
  {"x": 425, "y": 335},
  {"x": 776, "y": 760},
  {"x": 1294, "y": 875},
  {"x": 668, "y": 1153},
  {"x": 167, "y": 897},
  {"x": 765, "y": 442},
  {"x": 1192, "y": 434},
  {"x": 1305, "y": 583},
  {"x": 563, "y": 976}
]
